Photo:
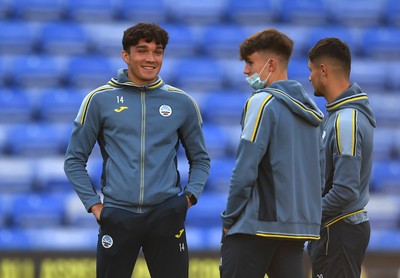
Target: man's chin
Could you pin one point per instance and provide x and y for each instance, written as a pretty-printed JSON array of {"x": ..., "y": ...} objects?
[{"x": 318, "y": 94}]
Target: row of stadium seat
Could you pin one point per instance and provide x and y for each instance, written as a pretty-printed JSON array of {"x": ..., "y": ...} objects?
[
  {"x": 350, "y": 13},
  {"x": 219, "y": 40},
  {"x": 189, "y": 73},
  {"x": 42, "y": 172},
  {"x": 49, "y": 222}
]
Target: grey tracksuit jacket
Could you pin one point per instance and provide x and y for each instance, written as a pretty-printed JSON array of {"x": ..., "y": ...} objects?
[
  {"x": 348, "y": 138},
  {"x": 275, "y": 189},
  {"x": 139, "y": 130}
]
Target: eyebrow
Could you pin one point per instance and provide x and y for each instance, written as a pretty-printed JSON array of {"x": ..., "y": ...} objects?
[{"x": 159, "y": 46}]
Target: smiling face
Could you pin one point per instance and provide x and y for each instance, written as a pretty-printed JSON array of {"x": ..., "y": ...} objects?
[{"x": 144, "y": 62}]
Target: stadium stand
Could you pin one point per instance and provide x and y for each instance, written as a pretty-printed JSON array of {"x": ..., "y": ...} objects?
[
  {"x": 139, "y": 11},
  {"x": 88, "y": 71},
  {"x": 64, "y": 38},
  {"x": 193, "y": 73},
  {"x": 392, "y": 10},
  {"x": 39, "y": 10},
  {"x": 58, "y": 105},
  {"x": 15, "y": 106},
  {"x": 91, "y": 10},
  {"x": 222, "y": 41},
  {"x": 37, "y": 71},
  {"x": 38, "y": 210},
  {"x": 54, "y": 52},
  {"x": 381, "y": 43},
  {"x": 252, "y": 12},
  {"x": 309, "y": 12},
  {"x": 18, "y": 37},
  {"x": 357, "y": 12},
  {"x": 197, "y": 12},
  {"x": 17, "y": 176}
]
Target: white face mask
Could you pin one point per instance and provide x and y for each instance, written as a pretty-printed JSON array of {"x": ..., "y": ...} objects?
[{"x": 255, "y": 81}]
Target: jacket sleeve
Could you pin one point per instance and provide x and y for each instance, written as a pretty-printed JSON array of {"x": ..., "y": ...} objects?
[
  {"x": 192, "y": 139},
  {"x": 346, "y": 164},
  {"x": 82, "y": 141},
  {"x": 253, "y": 143}
]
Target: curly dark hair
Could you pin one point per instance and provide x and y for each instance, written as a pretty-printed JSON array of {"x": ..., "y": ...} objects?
[{"x": 147, "y": 31}]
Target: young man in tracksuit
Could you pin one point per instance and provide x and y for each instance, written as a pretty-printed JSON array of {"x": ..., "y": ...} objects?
[
  {"x": 348, "y": 138},
  {"x": 139, "y": 123},
  {"x": 274, "y": 202}
]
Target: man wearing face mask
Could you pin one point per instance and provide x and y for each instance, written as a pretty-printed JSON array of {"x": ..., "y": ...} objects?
[{"x": 274, "y": 202}]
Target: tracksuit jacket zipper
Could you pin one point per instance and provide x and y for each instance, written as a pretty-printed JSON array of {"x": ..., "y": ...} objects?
[{"x": 142, "y": 149}]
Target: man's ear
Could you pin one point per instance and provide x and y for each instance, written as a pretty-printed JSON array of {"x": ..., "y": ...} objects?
[
  {"x": 324, "y": 70},
  {"x": 125, "y": 56}
]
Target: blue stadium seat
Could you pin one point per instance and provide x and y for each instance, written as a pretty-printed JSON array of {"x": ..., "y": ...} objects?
[
  {"x": 17, "y": 175},
  {"x": 89, "y": 72},
  {"x": 381, "y": 43},
  {"x": 5, "y": 209},
  {"x": 17, "y": 37},
  {"x": 216, "y": 140},
  {"x": 91, "y": 10},
  {"x": 396, "y": 153},
  {"x": 223, "y": 107},
  {"x": 357, "y": 12},
  {"x": 35, "y": 139},
  {"x": 15, "y": 106},
  {"x": 386, "y": 107},
  {"x": 39, "y": 211},
  {"x": 300, "y": 36},
  {"x": 106, "y": 38},
  {"x": 383, "y": 210},
  {"x": 197, "y": 12},
  {"x": 40, "y": 10},
  {"x": 220, "y": 174},
  {"x": 14, "y": 239},
  {"x": 223, "y": 40},
  {"x": 183, "y": 41},
  {"x": 4, "y": 72},
  {"x": 393, "y": 76},
  {"x": 304, "y": 12},
  {"x": 234, "y": 76},
  {"x": 252, "y": 12},
  {"x": 393, "y": 12},
  {"x": 50, "y": 176},
  {"x": 76, "y": 214},
  {"x": 143, "y": 11},
  {"x": 349, "y": 36},
  {"x": 384, "y": 147},
  {"x": 207, "y": 213},
  {"x": 196, "y": 237},
  {"x": 64, "y": 38},
  {"x": 199, "y": 74},
  {"x": 37, "y": 71},
  {"x": 59, "y": 105},
  {"x": 385, "y": 240},
  {"x": 370, "y": 74},
  {"x": 386, "y": 176},
  {"x": 298, "y": 70},
  {"x": 6, "y": 9}
]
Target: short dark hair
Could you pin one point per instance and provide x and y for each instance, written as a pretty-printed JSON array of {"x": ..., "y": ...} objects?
[
  {"x": 147, "y": 31},
  {"x": 332, "y": 48},
  {"x": 268, "y": 39}
]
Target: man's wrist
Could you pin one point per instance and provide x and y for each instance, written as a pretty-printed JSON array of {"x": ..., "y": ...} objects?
[{"x": 191, "y": 197}]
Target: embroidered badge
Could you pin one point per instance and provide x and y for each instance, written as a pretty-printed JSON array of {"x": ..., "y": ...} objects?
[
  {"x": 107, "y": 241},
  {"x": 165, "y": 110}
]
